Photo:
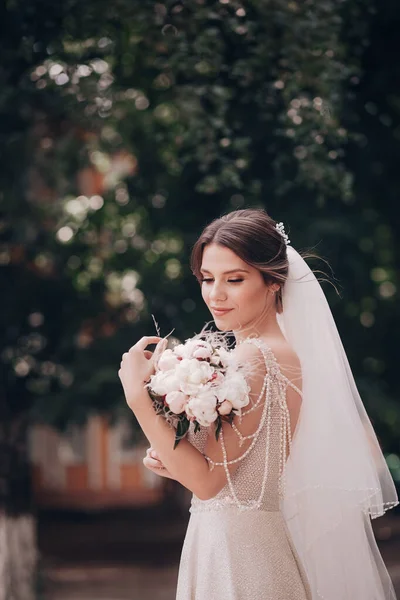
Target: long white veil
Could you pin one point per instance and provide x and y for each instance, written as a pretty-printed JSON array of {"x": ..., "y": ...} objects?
[{"x": 336, "y": 477}]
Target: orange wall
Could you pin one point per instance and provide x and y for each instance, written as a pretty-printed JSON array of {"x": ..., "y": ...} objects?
[{"x": 76, "y": 478}]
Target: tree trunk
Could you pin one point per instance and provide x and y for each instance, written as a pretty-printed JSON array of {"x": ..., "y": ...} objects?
[
  {"x": 18, "y": 549},
  {"x": 18, "y": 556}
]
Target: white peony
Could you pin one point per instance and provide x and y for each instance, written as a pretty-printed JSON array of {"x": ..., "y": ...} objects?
[
  {"x": 225, "y": 408},
  {"x": 203, "y": 408},
  {"x": 176, "y": 401},
  {"x": 188, "y": 349},
  {"x": 202, "y": 353},
  {"x": 235, "y": 389},
  {"x": 181, "y": 351},
  {"x": 193, "y": 375},
  {"x": 164, "y": 382},
  {"x": 167, "y": 361}
]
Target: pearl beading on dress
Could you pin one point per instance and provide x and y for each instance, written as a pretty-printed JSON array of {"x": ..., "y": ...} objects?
[
  {"x": 266, "y": 415},
  {"x": 249, "y": 449},
  {"x": 273, "y": 375},
  {"x": 257, "y": 403}
]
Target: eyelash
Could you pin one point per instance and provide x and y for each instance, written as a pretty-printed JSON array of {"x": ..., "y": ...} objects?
[{"x": 229, "y": 280}]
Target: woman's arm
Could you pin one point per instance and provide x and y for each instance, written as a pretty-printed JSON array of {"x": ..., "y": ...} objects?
[
  {"x": 186, "y": 464},
  {"x": 154, "y": 464}
]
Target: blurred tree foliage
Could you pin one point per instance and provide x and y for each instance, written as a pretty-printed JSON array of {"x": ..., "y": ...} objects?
[{"x": 125, "y": 127}]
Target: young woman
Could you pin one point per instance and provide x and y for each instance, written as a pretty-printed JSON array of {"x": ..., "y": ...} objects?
[{"x": 282, "y": 503}]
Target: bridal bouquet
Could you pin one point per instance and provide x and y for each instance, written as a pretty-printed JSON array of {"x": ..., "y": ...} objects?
[{"x": 198, "y": 381}]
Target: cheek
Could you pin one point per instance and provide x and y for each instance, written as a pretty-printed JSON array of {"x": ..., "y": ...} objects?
[{"x": 252, "y": 298}]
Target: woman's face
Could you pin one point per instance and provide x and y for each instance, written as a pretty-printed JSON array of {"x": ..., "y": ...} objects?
[{"x": 235, "y": 293}]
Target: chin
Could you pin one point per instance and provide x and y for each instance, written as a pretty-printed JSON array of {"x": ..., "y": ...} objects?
[
  {"x": 221, "y": 325},
  {"x": 224, "y": 325}
]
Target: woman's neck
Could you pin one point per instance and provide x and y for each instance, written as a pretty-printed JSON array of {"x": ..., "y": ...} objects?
[{"x": 266, "y": 329}]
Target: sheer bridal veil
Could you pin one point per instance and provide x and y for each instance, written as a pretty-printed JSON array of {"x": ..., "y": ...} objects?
[{"x": 336, "y": 477}]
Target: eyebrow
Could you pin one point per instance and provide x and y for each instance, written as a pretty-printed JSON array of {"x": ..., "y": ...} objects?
[{"x": 227, "y": 272}]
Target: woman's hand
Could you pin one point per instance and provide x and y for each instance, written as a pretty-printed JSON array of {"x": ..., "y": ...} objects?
[
  {"x": 152, "y": 462},
  {"x": 137, "y": 366}
]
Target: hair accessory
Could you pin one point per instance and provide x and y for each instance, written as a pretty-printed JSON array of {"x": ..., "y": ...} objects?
[{"x": 281, "y": 229}]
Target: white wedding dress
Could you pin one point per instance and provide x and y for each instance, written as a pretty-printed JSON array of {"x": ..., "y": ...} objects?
[{"x": 237, "y": 545}]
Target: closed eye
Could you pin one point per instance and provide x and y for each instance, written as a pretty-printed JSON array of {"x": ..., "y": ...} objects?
[{"x": 208, "y": 280}]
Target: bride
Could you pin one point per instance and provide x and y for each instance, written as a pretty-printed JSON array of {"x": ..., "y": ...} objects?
[{"x": 282, "y": 503}]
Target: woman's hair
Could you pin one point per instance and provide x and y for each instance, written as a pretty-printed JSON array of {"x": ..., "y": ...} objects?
[{"x": 252, "y": 235}]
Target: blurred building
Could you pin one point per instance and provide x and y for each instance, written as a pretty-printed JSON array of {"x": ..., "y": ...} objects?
[{"x": 91, "y": 467}]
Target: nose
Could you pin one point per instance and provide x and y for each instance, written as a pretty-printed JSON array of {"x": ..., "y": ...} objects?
[{"x": 217, "y": 293}]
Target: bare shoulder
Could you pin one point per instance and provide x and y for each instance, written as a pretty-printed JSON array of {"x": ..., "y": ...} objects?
[
  {"x": 284, "y": 353},
  {"x": 251, "y": 357},
  {"x": 247, "y": 351}
]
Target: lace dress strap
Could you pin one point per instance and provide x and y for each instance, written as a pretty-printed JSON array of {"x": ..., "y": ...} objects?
[
  {"x": 292, "y": 385},
  {"x": 275, "y": 419},
  {"x": 271, "y": 362}
]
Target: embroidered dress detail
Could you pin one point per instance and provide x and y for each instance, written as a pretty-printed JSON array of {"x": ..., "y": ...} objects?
[
  {"x": 237, "y": 546},
  {"x": 271, "y": 394}
]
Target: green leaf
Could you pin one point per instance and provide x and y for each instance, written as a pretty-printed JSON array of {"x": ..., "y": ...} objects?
[{"x": 181, "y": 430}]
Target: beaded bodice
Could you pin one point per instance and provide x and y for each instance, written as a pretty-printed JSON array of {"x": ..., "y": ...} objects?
[{"x": 258, "y": 482}]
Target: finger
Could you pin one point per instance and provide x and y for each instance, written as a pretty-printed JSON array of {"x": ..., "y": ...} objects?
[
  {"x": 154, "y": 456},
  {"x": 146, "y": 341},
  {"x": 151, "y": 453},
  {"x": 148, "y": 354},
  {"x": 124, "y": 356},
  {"x": 156, "y": 461},
  {"x": 148, "y": 463},
  {"x": 152, "y": 464}
]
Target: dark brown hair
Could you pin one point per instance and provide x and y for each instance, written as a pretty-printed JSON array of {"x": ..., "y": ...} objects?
[{"x": 252, "y": 235}]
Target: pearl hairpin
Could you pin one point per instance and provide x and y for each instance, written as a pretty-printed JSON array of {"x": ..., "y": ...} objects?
[{"x": 281, "y": 229}]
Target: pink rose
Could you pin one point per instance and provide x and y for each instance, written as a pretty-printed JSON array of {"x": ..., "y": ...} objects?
[{"x": 225, "y": 407}]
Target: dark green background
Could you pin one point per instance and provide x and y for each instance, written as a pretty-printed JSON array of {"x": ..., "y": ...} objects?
[{"x": 293, "y": 106}]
